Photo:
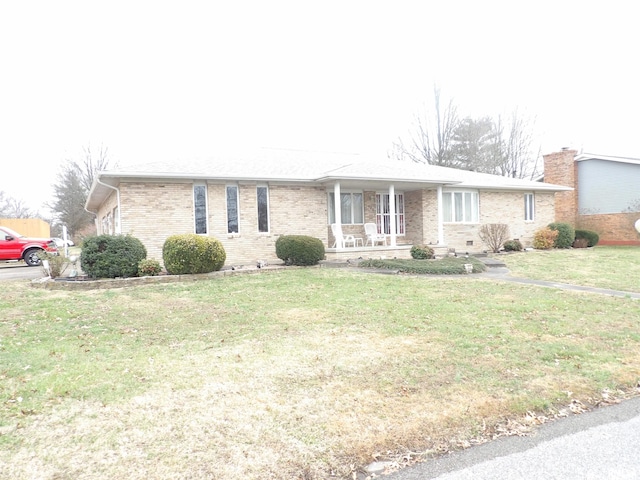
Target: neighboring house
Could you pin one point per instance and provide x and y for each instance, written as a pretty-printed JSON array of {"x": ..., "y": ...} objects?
[
  {"x": 248, "y": 202},
  {"x": 605, "y": 196}
]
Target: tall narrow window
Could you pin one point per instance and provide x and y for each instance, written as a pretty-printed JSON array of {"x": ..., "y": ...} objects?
[
  {"x": 529, "y": 207},
  {"x": 351, "y": 208},
  {"x": 200, "y": 208},
  {"x": 232, "y": 209},
  {"x": 263, "y": 209},
  {"x": 383, "y": 213},
  {"x": 116, "y": 220}
]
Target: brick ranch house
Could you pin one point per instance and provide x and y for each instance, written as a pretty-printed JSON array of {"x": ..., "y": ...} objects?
[
  {"x": 605, "y": 195},
  {"x": 248, "y": 202}
]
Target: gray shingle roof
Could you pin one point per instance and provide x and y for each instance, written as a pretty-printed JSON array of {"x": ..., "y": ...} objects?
[{"x": 312, "y": 167}]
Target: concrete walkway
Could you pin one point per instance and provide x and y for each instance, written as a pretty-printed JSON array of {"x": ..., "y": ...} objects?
[{"x": 500, "y": 272}]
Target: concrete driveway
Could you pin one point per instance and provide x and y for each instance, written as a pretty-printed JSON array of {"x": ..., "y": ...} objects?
[
  {"x": 600, "y": 444},
  {"x": 19, "y": 271}
]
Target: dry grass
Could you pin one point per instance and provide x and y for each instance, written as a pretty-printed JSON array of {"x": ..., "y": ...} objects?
[
  {"x": 616, "y": 268},
  {"x": 305, "y": 373}
]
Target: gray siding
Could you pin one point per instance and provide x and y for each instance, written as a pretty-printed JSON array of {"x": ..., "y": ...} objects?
[{"x": 608, "y": 187}]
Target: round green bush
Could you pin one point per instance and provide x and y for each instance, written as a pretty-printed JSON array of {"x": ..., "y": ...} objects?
[
  {"x": 422, "y": 252},
  {"x": 592, "y": 238},
  {"x": 111, "y": 256},
  {"x": 299, "y": 250},
  {"x": 566, "y": 234},
  {"x": 513, "y": 246},
  {"x": 190, "y": 253}
]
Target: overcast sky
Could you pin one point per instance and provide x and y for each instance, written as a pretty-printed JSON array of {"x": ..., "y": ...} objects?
[{"x": 159, "y": 80}]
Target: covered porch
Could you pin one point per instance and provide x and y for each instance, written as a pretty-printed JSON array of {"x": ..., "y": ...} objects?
[{"x": 402, "y": 213}]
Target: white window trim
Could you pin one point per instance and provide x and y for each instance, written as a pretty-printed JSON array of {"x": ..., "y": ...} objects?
[
  {"x": 451, "y": 192},
  {"x": 331, "y": 212},
  {"x": 532, "y": 196},
  {"x": 206, "y": 207},
  {"x": 226, "y": 202},
  {"x": 268, "y": 211}
]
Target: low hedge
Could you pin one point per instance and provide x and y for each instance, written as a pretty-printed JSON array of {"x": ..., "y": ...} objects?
[
  {"x": 442, "y": 266},
  {"x": 299, "y": 250}
]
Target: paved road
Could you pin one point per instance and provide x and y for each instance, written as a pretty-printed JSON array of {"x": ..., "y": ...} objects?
[
  {"x": 19, "y": 271},
  {"x": 601, "y": 444}
]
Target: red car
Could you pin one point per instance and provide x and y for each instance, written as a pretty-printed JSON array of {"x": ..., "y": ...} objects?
[{"x": 14, "y": 246}]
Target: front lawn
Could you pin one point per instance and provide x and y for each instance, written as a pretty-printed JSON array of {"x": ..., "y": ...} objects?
[
  {"x": 616, "y": 268},
  {"x": 298, "y": 373}
]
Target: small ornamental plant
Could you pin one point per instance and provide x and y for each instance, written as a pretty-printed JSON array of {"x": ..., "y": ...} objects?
[
  {"x": 422, "y": 252},
  {"x": 149, "y": 268},
  {"x": 513, "y": 246},
  {"x": 544, "y": 239}
]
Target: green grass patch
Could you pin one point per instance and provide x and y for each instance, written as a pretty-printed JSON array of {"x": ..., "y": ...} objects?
[
  {"x": 616, "y": 268},
  {"x": 299, "y": 370},
  {"x": 439, "y": 266}
]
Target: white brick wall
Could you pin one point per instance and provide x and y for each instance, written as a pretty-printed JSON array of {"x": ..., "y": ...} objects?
[{"x": 155, "y": 210}]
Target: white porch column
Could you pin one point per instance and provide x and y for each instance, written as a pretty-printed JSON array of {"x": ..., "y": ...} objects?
[
  {"x": 392, "y": 214},
  {"x": 440, "y": 217},
  {"x": 337, "y": 212}
]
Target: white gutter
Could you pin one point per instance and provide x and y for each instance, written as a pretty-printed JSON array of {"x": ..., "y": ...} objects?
[{"x": 117, "y": 201}]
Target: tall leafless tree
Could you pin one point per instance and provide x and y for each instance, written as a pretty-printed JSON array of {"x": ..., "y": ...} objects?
[
  {"x": 91, "y": 164},
  {"x": 431, "y": 136},
  {"x": 14, "y": 208}
]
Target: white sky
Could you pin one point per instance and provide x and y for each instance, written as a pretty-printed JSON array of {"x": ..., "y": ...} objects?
[{"x": 165, "y": 80}]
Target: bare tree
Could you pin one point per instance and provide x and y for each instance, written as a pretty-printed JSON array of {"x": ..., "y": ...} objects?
[
  {"x": 518, "y": 158},
  {"x": 430, "y": 140},
  {"x": 14, "y": 208},
  {"x": 91, "y": 165}
]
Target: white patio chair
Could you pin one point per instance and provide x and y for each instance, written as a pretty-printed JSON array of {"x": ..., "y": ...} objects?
[
  {"x": 373, "y": 237},
  {"x": 347, "y": 240}
]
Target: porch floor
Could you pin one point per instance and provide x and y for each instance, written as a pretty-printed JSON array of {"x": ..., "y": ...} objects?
[{"x": 378, "y": 251}]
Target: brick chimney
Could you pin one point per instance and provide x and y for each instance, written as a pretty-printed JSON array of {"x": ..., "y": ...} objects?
[{"x": 560, "y": 168}]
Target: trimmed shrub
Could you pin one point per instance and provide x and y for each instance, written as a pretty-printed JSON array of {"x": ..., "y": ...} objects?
[
  {"x": 592, "y": 238},
  {"x": 190, "y": 253},
  {"x": 299, "y": 250},
  {"x": 513, "y": 245},
  {"x": 422, "y": 252},
  {"x": 111, "y": 256},
  {"x": 545, "y": 238},
  {"x": 149, "y": 268},
  {"x": 566, "y": 234}
]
